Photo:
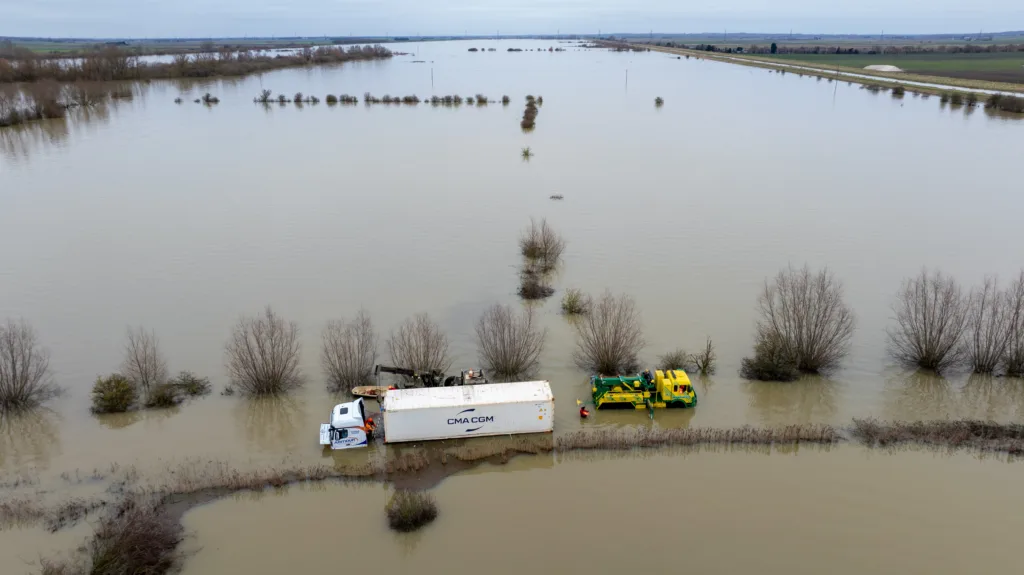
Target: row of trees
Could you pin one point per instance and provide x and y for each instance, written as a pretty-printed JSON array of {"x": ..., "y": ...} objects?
[
  {"x": 113, "y": 63},
  {"x": 805, "y": 326},
  {"x": 775, "y": 48}
]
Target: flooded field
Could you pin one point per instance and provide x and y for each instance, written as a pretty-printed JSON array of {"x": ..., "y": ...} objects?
[
  {"x": 181, "y": 218},
  {"x": 840, "y": 511}
]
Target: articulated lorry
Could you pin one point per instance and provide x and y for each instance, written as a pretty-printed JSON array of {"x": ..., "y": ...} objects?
[{"x": 432, "y": 413}]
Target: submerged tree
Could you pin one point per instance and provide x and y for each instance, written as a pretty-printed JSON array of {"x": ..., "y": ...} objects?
[
  {"x": 509, "y": 344},
  {"x": 1013, "y": 360},
  {"x": 349, "y": 352},
  {"x": 420, "y": 345},
  {"x": 263, "y": 354},
  {"x": 143, "y": 363},
  {"x": 609, "y": 338},
  {"x": 988, "y": 327},
  {"x": 805, "y": 313},
  {"x": 25, "y": 379},
  {"x": 931, "y": 317}
]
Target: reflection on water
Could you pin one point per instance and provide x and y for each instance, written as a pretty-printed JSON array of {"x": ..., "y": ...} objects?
[
  {"x": 273, "y": 423},
  {"x": 994, "y": 398},
  {"x": 918, "y": 395},
  {"x": 924, "y": 395},
  {"x": 128, "y": 418},
  {"x": 29, "y": 438},
  {"x": 807, "y": 400},
  {"x": 704, "y": 384},
  {"x": 18, "y": 143}
]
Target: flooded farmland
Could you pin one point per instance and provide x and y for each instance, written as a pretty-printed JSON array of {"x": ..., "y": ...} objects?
[{"x": 181, "y": 218}]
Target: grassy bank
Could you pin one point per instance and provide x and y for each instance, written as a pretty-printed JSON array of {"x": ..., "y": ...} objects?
[
  {"x": 884, "y": 78},
  {"x": 1001, "y": 67}
]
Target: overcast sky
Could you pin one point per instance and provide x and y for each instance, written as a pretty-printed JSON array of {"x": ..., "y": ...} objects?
[{"x": 202, "y": 18}]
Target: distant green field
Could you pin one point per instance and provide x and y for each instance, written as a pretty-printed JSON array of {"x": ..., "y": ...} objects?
[{"x": 993, "y": 67}]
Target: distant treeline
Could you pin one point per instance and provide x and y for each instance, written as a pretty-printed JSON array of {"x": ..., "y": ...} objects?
[
  {"x": 889, "y": 50},
  {"x": 116, "y": 64}
]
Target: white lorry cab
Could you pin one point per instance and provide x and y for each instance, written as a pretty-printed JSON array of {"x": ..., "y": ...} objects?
[{"x": 349, "y": 427}]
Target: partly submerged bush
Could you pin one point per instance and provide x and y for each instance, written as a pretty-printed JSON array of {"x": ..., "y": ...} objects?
[
  {"x": 332, "y": 99},
  {"x": 190, "y": 384},
  {"x": 532, "y": 285},
  {"x": 542, "y": 244},
  {"x": 1005, "y": 103},
  {"x": 505, "y": 100},
  {"x": 113, "y": 394},
  {"x": 956, "y": 99},
  {"x": 675, "y": 359},
  {"x": 509, "y": 344},
  {"x": 659, "y": 101},
  {"x": 898, "y": 92},
  {"x": 410, "y": 510},
  {"x": 135, "y": 538},
  {"x": 575, "y": 302},
  {"x": 25, "y": 379},
  {"x": 163, "y": 395},
  {"x": 773, "y": 360},
  {"x": 609, "y": 339}
]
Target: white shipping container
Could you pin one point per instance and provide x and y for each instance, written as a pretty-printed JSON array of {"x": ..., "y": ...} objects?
[{"x": 468, "y": 411}]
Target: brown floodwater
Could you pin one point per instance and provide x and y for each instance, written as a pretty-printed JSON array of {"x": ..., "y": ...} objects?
[
  {"x": 181, "y": 218},
  {"x": 844, "y": 510}
]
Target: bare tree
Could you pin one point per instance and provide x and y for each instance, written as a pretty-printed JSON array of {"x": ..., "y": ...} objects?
[
  {"x": 263, "y": 354},
  {"x": 931, "y": 317},
  {"x": 806, "y": 313},
  {"x": 25, "y": 380},
  {"x": 143, "y": 363},
  {"x": 988, "y": 327},
  {"x": 609, "y": 339},
  {"x": 704, "y": 360},
  {"x": 419, "y": 344},
  {"x": 509, "y": 344},
  {"x": 349, "y": 352},
  {"x": 1013, "y": 361}
]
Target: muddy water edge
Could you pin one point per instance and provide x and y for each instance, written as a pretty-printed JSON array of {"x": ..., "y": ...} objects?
[{"x": 182, "y": 217}]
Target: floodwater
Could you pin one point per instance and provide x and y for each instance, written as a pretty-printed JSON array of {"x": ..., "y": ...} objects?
[
  {"x": 181, "y": 218},
  {"x": 840, "y": 511}
]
